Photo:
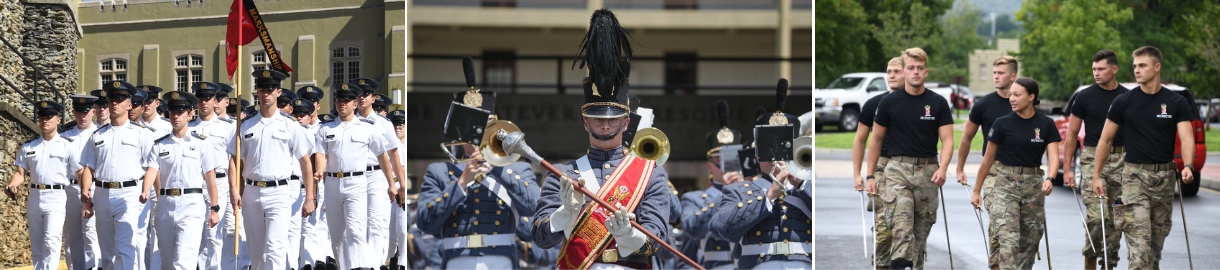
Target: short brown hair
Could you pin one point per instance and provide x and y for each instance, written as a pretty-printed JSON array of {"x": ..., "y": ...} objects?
[
  {"x": 895, "y": 61},
  {"x": 916, "y": 54},
  {"x": 1012, "y": 63},
  {"x": 1149, "y": 51},
  {"x": 1107, "y": 55}
]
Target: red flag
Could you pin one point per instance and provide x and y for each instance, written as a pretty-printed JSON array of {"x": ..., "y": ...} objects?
[{"x": 240, "y": 32}]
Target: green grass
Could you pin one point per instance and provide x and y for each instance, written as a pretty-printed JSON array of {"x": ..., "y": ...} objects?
[
  {"x": 1211, "y": 138},
  {"x": 831, "y": 138}
]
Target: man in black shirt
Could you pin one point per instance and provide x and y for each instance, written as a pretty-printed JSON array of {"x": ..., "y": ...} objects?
[
  {"x": 1089, "y": 107},
  {"x": 988, "y": 109},
  {"x": 917, "y": 118},
  {"x": 1150, "y": 117},
  {"x": 881, "y": 231}
]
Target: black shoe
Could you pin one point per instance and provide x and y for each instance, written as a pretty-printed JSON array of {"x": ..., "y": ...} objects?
[
  {"x": 385, "y": 267},
  {"x": 901, "y": 264},
  {"x": 307, "y": 267}
]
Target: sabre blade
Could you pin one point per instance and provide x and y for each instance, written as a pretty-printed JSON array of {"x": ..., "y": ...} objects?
[
  {"x": 1105, "y": 247},
  {"x": 863, "y": 224},
  {"x": 1083, "y": 221},
  {"x": 1185, "y": 232}
]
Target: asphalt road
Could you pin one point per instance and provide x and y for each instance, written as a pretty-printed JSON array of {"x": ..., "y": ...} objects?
[{"x": 839, "y": 237}]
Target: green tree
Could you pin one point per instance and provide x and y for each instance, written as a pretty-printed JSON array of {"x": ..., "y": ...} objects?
[
  {"x": 841, "y": 34},
  {"x": 898, "y": 32},
  {"x": 1062, "y": 37},
  {"x": 1202, "y": 39},
  {"x": 956, "y": 42}
]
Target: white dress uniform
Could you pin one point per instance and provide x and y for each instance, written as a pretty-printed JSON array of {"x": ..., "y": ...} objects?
[
  {"x": 346, "y": 145},
  {"x": 116, "y": 154},
  {"x": 49, "y": 163},
  {"x": 80, "y": 234},
  {"x": 216, "y": 249},
  {"x": 379, "y": 199},
  {"x": 182, "y": 210},
  {"x": 315, "y": 239},
  {"x": 266, "y": 143},
  {"x": 298, "y": 200},
  {"x": 159, "y": 127},
  {"x": 399, "y": 220}
]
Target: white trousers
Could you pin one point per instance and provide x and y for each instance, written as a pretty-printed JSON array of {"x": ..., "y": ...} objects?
[
  {"x": 152, "y": 250},
  {"x": 80, "y": 234},
  {"x": 122, "y": 222},
  {"x": 398, "y": 231},
  {"x": 211, "y": 247},
  {"x": 180, "y": 225},
  {"x": 315, "y": 239},
  {"x": 45, "y": 218},
  {"x": 481, "y": 263},
  {"x": 294, "y": 228},
  {"x": 379, "y": 218},
  {"x": 785, "y": 265},
  {"x": 265, "y": 214},
  {"x": 347, "y": 211}
]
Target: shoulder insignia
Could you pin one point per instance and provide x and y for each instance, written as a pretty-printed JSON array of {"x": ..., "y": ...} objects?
[
  {"x": 30, "y": 140},
  {"x": 163, "y": 138},
  {"x": 282, "y": 113},
  {"x": 66, "y": 138},
  {"x": 225, "y": 119},
  {"x": 304, "y": 126},
  {"x": 197, "y": 135},
  {"x": 366, "y": 120},
  {"x": 103, "y": 128}
]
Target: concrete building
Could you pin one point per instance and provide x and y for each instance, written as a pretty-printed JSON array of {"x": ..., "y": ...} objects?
[
  {"x": 980, "y": 65},
  {"x": 173, "y": 43},
  {"x": 688, "y": 54}
]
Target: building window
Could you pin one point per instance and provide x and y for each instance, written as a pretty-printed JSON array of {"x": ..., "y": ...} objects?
[
  {"x": 680, "y": 73},
  {"x": 260, "y": 62},
  {"x": 681, "y": 4},
  {"x": 500, "y": 71},
  {"x": 188, "y": 69},
  {"x": 344, "y": 64},
  {"x": 113, "y": 69},
  {"x": 499, "y": 3}
]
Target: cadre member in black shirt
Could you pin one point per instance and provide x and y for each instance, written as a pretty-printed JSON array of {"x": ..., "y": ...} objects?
[
  {"x": 1090, "y": 107},
  {"x": 1018, "y": 185},
  {"x": 881, "y": 233},
  {"x": 1149, "y": 117},
  {"x": 988, "y": 109},
  {"x": 917, "y": 117}
]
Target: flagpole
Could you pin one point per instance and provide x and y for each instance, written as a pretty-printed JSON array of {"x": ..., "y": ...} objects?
[{"x": 237, "y": 160}]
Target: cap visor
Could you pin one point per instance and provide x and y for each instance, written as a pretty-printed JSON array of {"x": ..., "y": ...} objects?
[{"x": 604, "y": 112}]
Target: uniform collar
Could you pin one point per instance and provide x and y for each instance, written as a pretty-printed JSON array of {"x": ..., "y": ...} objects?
[{"x": 606, "y": 155}]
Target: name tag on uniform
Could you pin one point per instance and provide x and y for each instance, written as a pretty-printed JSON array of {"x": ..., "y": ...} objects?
[
  {"x": 98, "y": 143},
  {"x": 163, "y": 154},
  {"x": 330, "y": 137},
  {"x": 248, "y": 136},
  {"x": 29, "y": 153}
]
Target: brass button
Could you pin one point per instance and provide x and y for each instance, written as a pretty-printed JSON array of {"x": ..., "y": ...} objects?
[
  {"x": 476, "y": 211},
  {"x": 497, "y": 212},
  {"x": 760, "y": 197},
  {"x": 429, "y": 205},
  {"x": 607, "y": 177},
  {"x": 453, "y": 214},
  {"x": 756, "y": 233},
  {"x": 450, "y": 172},
  {"x": 697, "y": 213},
  {"x": 739, "y": 204},
  {"x": 446, "y": 195},
  {"x": 518, "y": 177},
  {"x": 784, "y": 207},
  {"x": 750, "y": 201},
  {"x": 476, "y": 191},
  {"x": 749, "y": 192},
  {"x": 438, "y": 199},
  {"x": 606, "y": 166},
  {"x": 525, "y": 219},
  {"x": 711, "y": 205},
  {"x": 785, "y": 230},
  {"x": 455, "y": 224},
  {"x": 808, "y": 221},
  {"x": 705, "y": 209},
  {"x": 783, "y": 217},
  {"x": 717, "y": 247},
  {"x": 476, "y": 223},
  {"x": 809, "y": 231},
  {"x": 705, "y": 195},
  {"x": 501, "y": 202},
  {"x": 497, "y": 223},
  {"x": 476, "y": 200},
  {"x": 747, "y": 185},
  {"x": 527, "y": 183},
  {"x": 510, "y": 171}
]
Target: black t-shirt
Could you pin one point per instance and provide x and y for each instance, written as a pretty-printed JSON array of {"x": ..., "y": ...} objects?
[
  {"x": 1090, "y": 105},
  {"x": 867, "y": 114},
  {"x": 912, "y": 122},
  {"x": 987, "y": 110},
  {"x": 1149, "y": 123},
  {"x": 1022, "y": 141}
]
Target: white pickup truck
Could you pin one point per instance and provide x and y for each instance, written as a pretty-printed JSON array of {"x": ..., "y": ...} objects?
[{"x": 839, "y": 103}]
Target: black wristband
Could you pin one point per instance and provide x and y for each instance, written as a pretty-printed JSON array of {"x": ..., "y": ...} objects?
[
  {"x": 215, "y": 208},
  {"x": 1052, "y": 179},
  {"x": 869, "y": 177}
]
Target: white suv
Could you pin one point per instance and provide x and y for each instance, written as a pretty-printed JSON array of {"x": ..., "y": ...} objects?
[{"x": 839, "y": 103}]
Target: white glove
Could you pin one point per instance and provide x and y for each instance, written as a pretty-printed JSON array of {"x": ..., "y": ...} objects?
[
  {"x": 564, "y": 218},
  {"x": 628, "y": 238}
]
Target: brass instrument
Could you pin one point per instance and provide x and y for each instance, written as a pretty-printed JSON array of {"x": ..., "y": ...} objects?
[
  {"x": 651, "y": 144},
  {"x": 802, "y": 165}
]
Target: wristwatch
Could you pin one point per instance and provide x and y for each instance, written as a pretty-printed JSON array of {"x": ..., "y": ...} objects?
[
  {"x": 1052, "y": 179},
  {"x": 215, "y": 208},
  {"x": 869, "y": 177},
  {"x": 1191, "y": 166}
]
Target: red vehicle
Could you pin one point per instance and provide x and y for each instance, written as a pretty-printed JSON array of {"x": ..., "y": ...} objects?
[{"x": 1060, "y": 114}]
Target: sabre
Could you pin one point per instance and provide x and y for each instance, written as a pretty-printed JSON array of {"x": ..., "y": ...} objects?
[
  {"x": 513, "y": 144},
  {"x": 1104, "y": 241},
  {"x": 1182, "y": 209},
  {"x": 978, "y": 214},
  {"x": 1083, "y": 221},
  {"x": 863, "y": 223},
  {"x": 945, "y": 216},
  {"x": 875, "y": 210},
  {"x": 1046, "y": 231}
]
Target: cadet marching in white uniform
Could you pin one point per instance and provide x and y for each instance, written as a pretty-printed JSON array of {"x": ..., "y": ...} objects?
[
  {"x": 218, "y": 132},
  {"x": 80, "y": 234},
  {"x": 378, "y": 200},
  {"x": 49, "y": 159}
]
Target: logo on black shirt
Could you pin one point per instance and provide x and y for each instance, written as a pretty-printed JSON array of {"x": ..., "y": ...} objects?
[
  {"x": 1164, "y": 113},
  {"x": 1037, "y": 135},
  {"x": 927, "y": 113}
]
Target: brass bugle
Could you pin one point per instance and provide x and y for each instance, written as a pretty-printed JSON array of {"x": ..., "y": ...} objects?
[
  {"x": 651, "y": 144},
  {"x": 802, "y": 165}
]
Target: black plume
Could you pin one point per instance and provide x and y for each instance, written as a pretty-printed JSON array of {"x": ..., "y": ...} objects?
[
  {"x": 601, "y": 50},
  {"x": 722, "y": 109},
  {"x": 781, "y": 94},
  {"x": 468, "y": 68}
]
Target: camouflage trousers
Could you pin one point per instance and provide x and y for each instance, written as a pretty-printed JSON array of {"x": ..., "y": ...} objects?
[
  {"x": 1015, "y": 205},
  {"x": 1109, "y": 174},
  {"x": 882, "y": 229},
  {"x": 1146, "y": 213},
  {"x": 910, "y": 200}
]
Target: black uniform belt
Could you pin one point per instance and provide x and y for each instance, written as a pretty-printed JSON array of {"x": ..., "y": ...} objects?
[
  {"x": 123, "y": 184},
  {"x": 372, "y": 168},
  {"x": 40, "y": 186},
  {"x": 72, "y": 181},
  {"x": 1155, "y": 167},
  {"x": 221, "y": 175},
  {"x": 1020, "y": 169},
  {"x": 266, "y": 183},
  {"x": 1114, "y": 149},
  {"x": 914, "y": 160},
  {"x": 179, "y": 191},
  {"x": 344, "y": 174},
  {"x": 294, "y": 177},
  {"x": 633, "y": 262}
]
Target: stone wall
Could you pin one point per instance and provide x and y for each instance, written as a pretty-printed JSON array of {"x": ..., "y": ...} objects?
[{"x": 47, "y": 35}]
